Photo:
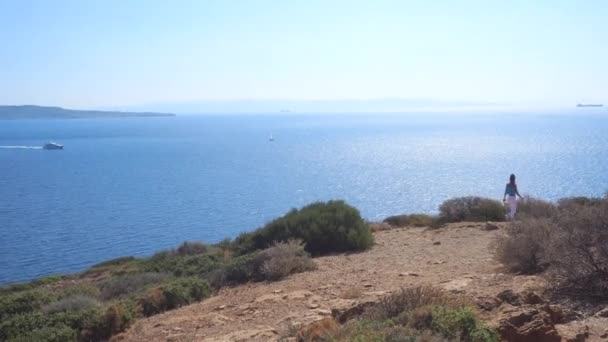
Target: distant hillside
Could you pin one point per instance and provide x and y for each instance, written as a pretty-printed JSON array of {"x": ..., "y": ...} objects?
[{"x": 40, "y": 112}]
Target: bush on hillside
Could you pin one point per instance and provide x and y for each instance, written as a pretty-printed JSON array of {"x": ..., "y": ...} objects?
[
  {"x": 573, "y": 202},
  {"x": 174, "y": 294},
  {"x": 471, "y": 209},
  {"x": 191, "y": 248},
  {"x": 535, "y": 208},
  {"x": 577, "y": 250},
  {"x": 413, "y": 220},
  {"x": 24, "y": 302},
  {"x": 324, "y": 227},
  {"x": 570, "y": 246},
  {"x": 273, "y": 263},
  {"x": 523, "y": 246},
  {"x": 283, "y": 259},
  {"x": 180, "y": 266},
  {"x": 71, "y": 303},
  {"x": 128, "y": 284},
  {"x": 418, "y": 313}
]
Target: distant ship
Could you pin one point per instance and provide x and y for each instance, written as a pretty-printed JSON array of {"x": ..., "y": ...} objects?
[
  {"x": 52, "y": 146},
  {"x": 271, "y": 138},
  {"x": 590, "y": 105}
]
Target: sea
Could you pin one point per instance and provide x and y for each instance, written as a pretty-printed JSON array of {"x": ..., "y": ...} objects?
[{"x": 134, "y": 186}]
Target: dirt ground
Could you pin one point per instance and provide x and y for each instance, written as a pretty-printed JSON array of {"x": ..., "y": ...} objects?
[{"x": 457, "y": 258}]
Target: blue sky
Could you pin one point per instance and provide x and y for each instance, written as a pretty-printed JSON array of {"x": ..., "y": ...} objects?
[{"x": 114, "y": 53}]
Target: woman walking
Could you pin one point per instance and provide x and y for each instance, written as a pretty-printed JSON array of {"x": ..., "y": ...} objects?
[{"x": 511, "y": 191}]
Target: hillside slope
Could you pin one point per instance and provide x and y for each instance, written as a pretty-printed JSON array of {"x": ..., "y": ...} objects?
[{"x": 457, "y": 258}]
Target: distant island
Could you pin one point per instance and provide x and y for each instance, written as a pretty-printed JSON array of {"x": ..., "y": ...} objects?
[
  {"x": 590, "y": 105},
  {"x": 43, "y": 112}
]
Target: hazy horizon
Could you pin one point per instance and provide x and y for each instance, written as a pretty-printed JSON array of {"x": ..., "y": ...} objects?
[{"x": 153, "y": 54}]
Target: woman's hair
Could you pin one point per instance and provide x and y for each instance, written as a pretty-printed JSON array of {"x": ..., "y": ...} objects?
[{"x": 512, "y": 179}]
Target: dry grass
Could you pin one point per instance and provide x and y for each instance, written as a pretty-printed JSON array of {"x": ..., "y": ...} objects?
[
  {"x": 413, "y": 220},
  {"x": 409, "y": 300},
  {"x": 522, "y": 248},
  {"x": 285, "y": 258}
]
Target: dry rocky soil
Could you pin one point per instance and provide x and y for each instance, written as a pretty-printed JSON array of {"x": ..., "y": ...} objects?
[{"x": 457, "y": 258}]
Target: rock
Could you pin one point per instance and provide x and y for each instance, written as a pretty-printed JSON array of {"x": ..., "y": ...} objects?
[
  {"x": 488, "y": 303},
  {"x": 510, "y": 297},
  {"x": 277, "y": 291},
  {"x": 531, "y": 298},
  {"x": 221, "y": 307},
  {"x": 368, "y": 285},
  {"x": 602, "y": 313},
  {"x": 259, "y": 334},
  {"x": 456, "y": 285},
  {"x": 344, "y": 310},
  {"x": 605, "y": 334},
  {"x": 322, "y": 312},
  {"x": 405, "y": 274},
  {"x": 561, "y": 315},
  {"x": 312, "y": 305},
  {"x": 490, "y": 226},
  {"x": 527, "y": 324},
  {"x": 269, "y": 297},
  {"x": 437, "y": 243},
  {"x": 295, "y": 295}
]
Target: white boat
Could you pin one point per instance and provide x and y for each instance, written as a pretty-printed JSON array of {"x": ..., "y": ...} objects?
[
  {"x": 271, "y": 138},
  {"x": 52, "y": 146}
]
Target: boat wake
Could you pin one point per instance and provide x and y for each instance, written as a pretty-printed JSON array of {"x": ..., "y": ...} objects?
[{"x": 23, "y": 147}]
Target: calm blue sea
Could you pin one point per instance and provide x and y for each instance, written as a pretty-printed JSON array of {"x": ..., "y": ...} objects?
[{"x": 135, "y": 186}]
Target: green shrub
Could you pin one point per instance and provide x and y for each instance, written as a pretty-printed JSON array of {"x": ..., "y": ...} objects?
[
  {"x": 413, "y": 220},
  {"x": 83, "y": 289},
  {"x": 58, "y": 333},
  {"x": 328, "y": 227},
  {"x": 180, "y": 266},
  {"x": 191, "y": 248},
  {"x": 174, "y": 294},
  {"x": 51, "y": 279},
  {"x": 461, "y": 324},
  {"x": 471, "y": 209},
  {"x": 72, "y": 303},
  {"x": 88, "y": 324},
  {"x": 128, "y": 284},
  {"x": 408, "y": 300},
  {"x": 23, "y": 302},
  {"x": 119, "y": 316},
  {"x": 115, "y": 262}
]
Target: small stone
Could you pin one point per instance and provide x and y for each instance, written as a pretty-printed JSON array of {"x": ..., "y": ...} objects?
[
  {"x": 221, "y": 307},
  {"x": 277, "y": 291},
  {"x": 437, "y": 243},
  {"x": 491, "y": 226},
  {"x": 312, "y": 305},
  {"x": 159, "y": 324},
  {"x": 368, "y": 285}
]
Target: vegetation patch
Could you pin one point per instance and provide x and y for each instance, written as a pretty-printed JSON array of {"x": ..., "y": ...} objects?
[
  {"x": 413, "y": 220},
  {"x": 474, "y": 209},
  {"x": 324, "y": 227},
  {"x": 419, "y": 313},
  {"x": 568, "y": 246}
]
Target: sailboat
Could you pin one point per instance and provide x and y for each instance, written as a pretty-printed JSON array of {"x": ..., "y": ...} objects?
[{"x": 271, "y": 138}]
